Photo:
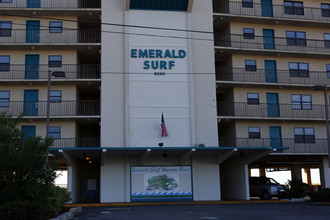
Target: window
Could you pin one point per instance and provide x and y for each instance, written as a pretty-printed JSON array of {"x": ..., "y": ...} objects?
[
  {"x": 55, "y": 27},
  {"x": 328, "y": 70},
  {"x": 303, "y": 102},
  {"x": 55, "y": 61},
  {"x": 5, "y": 28},
  {"x": 296, "y": 38},
  {"x": 250, "y": 65},
  {"x": 55, "y": 96},
  {"x": 6, "y": 1},
  {"x": 254, "y": 132},
  {"x": 247, "y": 3},
  {"x": 55, "y": 132},
  {"x": 326, "y": 40},
  {"x": 248, "y": 33},
  {"x": 304, "y": 135},
  {"x": 4, "y": 63},
  {"x": 299, "y": 69},
  {"x": 253, "y": 98},
  {"x": 325, "y": 10},
  {"x": 293, "y": 8},
  {"x": 4, "y": 99}
]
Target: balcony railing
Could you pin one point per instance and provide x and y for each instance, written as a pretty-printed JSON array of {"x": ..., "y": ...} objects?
[
  {"x": 65, "y": 4},
  {"x": 63, "y": 108},
  {"x": 319, "y": 145},
  {"x": 271, "y": 43},
  {"x": 35, "y": 71},
  {"x": 76, "y": 143},
  {"x": 241, "y": 109},
  {"x": 264, "y": 10},
  {"x": 270, "y": 76},
  {"x": 36, "y": 36}
]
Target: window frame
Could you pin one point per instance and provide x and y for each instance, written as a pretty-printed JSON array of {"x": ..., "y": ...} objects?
[
  {"x": 55, "y": 98},
  {"x": 249, "y": 36},
  {"x": 299, "y": 72},
  {"x": 247, "y": 3},
  {"x": 294, "y": 8},
  {"x": 5, "y": 32},
  {"x": 55, "y": 29},
  {"x": 301, "y": 104},
  {"x": 302, "y": 137},
  {"x": 5, "y": 102},
  {"x": 252, "y": 100},
  {"x": 55, "y": 134},
  {"x": 55, "y": 64},
  {"x": 254, "y": 134},
  {"x": 250, "y": 68},
  {"x": 5, "y": 67},
  {"x": 325, "y": 10},
  {"x": 296, "y": 40},
  {"x": 326, "y": 39}
]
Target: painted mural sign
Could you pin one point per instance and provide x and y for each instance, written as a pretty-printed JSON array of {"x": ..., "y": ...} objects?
[{"x": 161, "y": 183}]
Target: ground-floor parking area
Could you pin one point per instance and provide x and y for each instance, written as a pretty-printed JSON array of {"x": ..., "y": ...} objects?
[{"x": 253, "y": 211}]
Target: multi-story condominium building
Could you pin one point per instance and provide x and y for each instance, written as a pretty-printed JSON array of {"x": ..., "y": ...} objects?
[{"x": 169, "y": 99}]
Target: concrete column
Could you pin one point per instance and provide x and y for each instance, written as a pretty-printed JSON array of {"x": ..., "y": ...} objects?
[
  {"x": 325, "y": 172},
  {"x": 234, "y": 180},
  {"x": 206, "y": 179},
  {"x": 70, "y": 180},
  {"x": 308, "y": 176},
  {"x": 296, "y": 172}
]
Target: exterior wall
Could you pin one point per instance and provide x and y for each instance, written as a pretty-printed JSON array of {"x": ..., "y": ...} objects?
[
  {"x": 189, "y": 102},
  {"x": 115, "y": 176},
  {"x": 287, "y": 128},
  {"x": 325, "y": 172},
  {"x": 279, "y": 31},
  {"x": 281, "y": 62},
  {"x": 284, "y": 95},
  {"x": 68, "y": 128}
]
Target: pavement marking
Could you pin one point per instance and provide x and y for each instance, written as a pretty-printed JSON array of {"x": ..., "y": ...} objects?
[
  {"x": 105, "y": 212},
  {"x": 209, "y": 218}
]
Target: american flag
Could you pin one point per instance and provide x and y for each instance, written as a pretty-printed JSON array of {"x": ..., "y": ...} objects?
[{"x": 164, "y": 131}]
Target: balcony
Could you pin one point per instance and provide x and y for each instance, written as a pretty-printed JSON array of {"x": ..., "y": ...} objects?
[
  {"x": 318, "y": 147},
  {"x": 263, "y": 110},
  {"x": 57, "y": 109},
  {"x": 58, "y": 4},
  {"x": 76, "y": 143},
  {"x": 40, "y": 72},
  {"x": 43, "y": 36},
  {"x": 275, "y": 11},
  {"x": 270, "y": 76},
  {"x": 271, "y": 43}
]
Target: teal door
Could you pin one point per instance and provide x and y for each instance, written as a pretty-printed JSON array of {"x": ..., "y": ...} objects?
[
  {"x": 270, "y": 71},
  {"x": 29, "y": 131},
  {"x": 30, "y": 103},
  {"x": 31, "y": 66},
  {"x": 269, "y": 41},
  {"x": 267, "y": 8},
  {"x": 33, "y": 3},
  {"x": 275, "y": 135},
  {"x": 32, "y": 31},
  {"x": 91, "y": 190},
  {"x": 273, "y": 108}
]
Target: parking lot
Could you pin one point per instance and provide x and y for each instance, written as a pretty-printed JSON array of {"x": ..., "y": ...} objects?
[{"x": 253, "y": 211}]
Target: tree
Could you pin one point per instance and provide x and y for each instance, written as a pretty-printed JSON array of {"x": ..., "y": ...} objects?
[{"x": 27, "y": 189}]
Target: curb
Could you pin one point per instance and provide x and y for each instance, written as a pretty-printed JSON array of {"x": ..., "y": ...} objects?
[
  {"x": 172, "y": 203},
  {"x": 69, "y": 215}
]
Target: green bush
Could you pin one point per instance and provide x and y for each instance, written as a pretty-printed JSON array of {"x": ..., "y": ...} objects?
[
  {"x": 297, "y": 189},
  {"x": 323, "y": 195},
  {"x": 26, "y": 182}
]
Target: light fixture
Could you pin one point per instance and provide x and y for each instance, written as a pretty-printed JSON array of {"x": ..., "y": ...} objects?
[
  {"x": 87, "y": 158},
  {"x": 90, "y": 161}
]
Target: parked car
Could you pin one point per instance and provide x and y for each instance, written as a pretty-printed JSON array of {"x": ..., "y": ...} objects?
[{"x": 265, "y": 187}]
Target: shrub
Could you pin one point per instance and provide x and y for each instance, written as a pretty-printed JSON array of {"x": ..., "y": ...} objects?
[
  {"x": 297, "y": 189},
  {"x": 323, "y": 195}
]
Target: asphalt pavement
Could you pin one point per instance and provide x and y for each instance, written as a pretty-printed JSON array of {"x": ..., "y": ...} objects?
[{"x": 249, "y": 211}]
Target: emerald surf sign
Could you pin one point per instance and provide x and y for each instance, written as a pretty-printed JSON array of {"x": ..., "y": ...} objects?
[{"x": 154, "y": 183}]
